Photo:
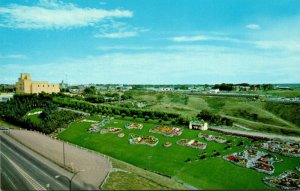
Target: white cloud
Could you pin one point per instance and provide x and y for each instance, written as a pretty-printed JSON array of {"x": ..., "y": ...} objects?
[
  {"x": 253, "y": 26},
  {"x": 189, "y": 38},
  {"x": 118, "y": 48},
  {"x": 13, "y": 56},
  {"x": 202, "y": 38},
  {"x": 117, "y": 35},
  {"x": 114, "y": 29},
  {"x": 279, "y": 45},
  {"x": 53, "y": 14},
  {"x": 190, "y": 64}
]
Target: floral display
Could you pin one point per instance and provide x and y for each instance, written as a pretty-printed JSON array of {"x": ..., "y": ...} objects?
[
  {"x": 121, "y": 135},
  {"x": 95, "y": 127},
  {"x": 291, "y": 149},
  {"x": 286, "y": 180},
  {"x": 167, "y": 131},
  {"x": 212, "y": 138},
  {"x": 191, "y": 143},
  {"x": 258, "y": 160},
  {"x": 143, "y": 140},
  {"x": 168, "y": 144},
  {"x": 110, "y": 130},
  {"x": 134, "y": 126}
]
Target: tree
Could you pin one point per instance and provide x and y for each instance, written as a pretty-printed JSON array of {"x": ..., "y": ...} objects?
[{"x": 89, "y": 90}]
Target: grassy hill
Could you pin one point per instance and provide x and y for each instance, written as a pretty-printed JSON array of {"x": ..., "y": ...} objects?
[{"x": 254, "y": 114}]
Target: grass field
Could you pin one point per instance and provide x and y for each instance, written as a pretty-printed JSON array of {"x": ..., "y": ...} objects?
[
  {"x": 209, "y": 173},
  {"x": 35, "y": 117},
  {"x": 238, "y": 108}
]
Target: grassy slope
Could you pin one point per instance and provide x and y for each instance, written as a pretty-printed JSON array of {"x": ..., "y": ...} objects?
[
  {"x": 240, "y": 109},
  {"x": 139, "y": 179},
  {"x": 34, "y": 118},
  {"x": 211, "y": 173}
]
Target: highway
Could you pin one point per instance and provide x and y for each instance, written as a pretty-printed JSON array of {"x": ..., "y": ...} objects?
[{"x": 23, "y": 169}]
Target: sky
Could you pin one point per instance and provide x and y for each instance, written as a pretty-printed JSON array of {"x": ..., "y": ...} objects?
[{"x": 150, "y": 41}]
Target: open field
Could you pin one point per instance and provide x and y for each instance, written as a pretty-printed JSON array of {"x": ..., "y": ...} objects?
[
  {"x": 177, "y": 162},
  {"x": 248, "y": 112}
]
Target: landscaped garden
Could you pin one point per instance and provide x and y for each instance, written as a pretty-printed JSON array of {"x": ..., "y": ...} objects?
[
  {"x": 258, "y": 160},
  {"x": 166, "y": 131},
  {"x": 200, "y": 168},
  {"x": 207, "y": 137},
  {"x": 134, "y": 126},
  {"x": 284, "y": 148}
]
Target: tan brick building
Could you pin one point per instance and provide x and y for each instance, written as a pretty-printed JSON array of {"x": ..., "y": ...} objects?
[{"x": 26, "y": 85}]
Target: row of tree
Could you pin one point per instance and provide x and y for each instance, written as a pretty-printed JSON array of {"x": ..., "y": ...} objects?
[
  {"x": 15, "y": 109},
  {"x": 108, "y": 109},
  {"x": 214, "y": 118},
  {"x": 231, "y": 87}
]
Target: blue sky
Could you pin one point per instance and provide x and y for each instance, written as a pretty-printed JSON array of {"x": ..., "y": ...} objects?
[{"x": 151, "y": 41}]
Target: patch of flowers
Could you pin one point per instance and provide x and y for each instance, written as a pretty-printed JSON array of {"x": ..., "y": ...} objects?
[
  {"x": 143, "y": 140},
  {"x": 110, "y": 130},
  {"x": 167, "y": 144},
  {"x": 257, "y": 160},
  {"x": 191, "y": 143},
  {"x": 167, "y": 131},
  {"x": 95, "y": 127},
  {"x": 291, "y": 149},
  {"x": 286, "y": 180},
  {"x": 134, "y": 126},
  {"x": 212, "y": 138}
]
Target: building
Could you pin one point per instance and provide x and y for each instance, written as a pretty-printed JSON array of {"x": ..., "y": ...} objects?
[
  {"x": 27, "y": 86},
  {"x": 214, "y": 91},
  {"x": 63, "y": 85},
  {"x": 198, "y": 125}
]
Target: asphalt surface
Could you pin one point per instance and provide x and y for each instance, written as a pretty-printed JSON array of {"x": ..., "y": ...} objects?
[{"x": 22, "y": 169}]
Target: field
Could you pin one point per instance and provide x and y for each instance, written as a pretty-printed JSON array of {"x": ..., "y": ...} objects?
[
  {"x": 251, "y": 113},
  {"x": 177, "y": 162}
]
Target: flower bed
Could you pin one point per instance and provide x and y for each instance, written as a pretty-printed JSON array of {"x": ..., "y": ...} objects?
[
  {"x": 110, "y": 130},
  {"x": 134, "y": 126},
  {"x": 167, "y": 131},
  {"x": 147, "y": 140},
  {"x": 286, "y": 180},
  {"x": 212, "y": 138},
  {"x": 191, "y": 143},
  {"x": 167, "y": 144},
  {"x": 291, "y": 149},
  {"x": 257, "y": 160},
  {"x": 95, "y": 127}
]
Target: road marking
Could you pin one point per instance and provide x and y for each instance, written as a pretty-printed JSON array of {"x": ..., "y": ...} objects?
[{"x": 27, "y": 177}]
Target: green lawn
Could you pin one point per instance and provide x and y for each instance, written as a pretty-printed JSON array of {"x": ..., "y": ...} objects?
[
  {"x": 34, "y": 118},
  {"x": 210, "y": 173}
]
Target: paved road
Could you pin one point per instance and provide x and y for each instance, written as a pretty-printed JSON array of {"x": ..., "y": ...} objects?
[{"x": 22, "y": 169}]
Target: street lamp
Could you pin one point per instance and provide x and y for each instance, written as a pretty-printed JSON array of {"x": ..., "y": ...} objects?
[{"x": 69, "y": 179}]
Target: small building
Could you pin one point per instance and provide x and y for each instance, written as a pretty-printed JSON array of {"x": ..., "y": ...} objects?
[
  {"x": 26, "y": 86},
  {"x": 214, "y": 91},
  {"x": 198, "y": 125}
]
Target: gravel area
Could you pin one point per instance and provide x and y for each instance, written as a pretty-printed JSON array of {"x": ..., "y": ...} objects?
[{"x": 96, "y": 166}]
